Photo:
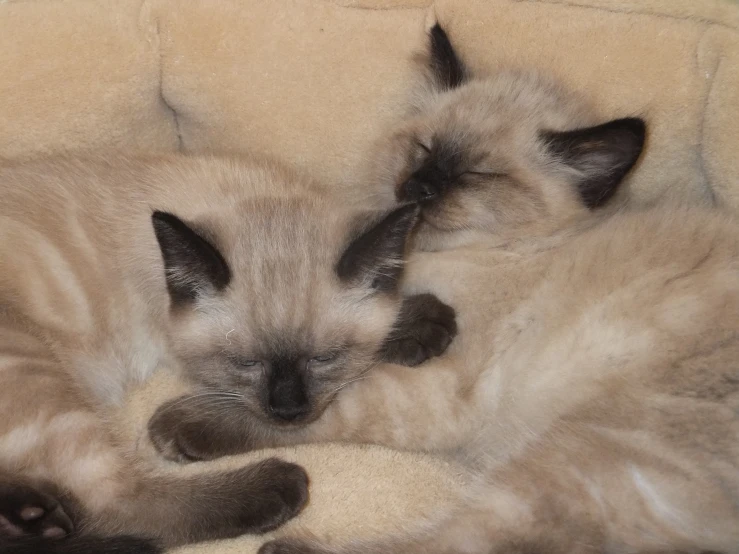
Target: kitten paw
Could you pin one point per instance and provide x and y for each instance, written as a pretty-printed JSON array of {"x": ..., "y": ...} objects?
[
  {"x": 184, "y": 430},
  {"x": 425, "y": 329},
  {"x": 280, "y": 492},
  {"x": 27, "y": 511},
  {"x": 175, "y": 436}
]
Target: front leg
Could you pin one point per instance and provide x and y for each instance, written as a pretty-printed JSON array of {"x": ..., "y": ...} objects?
[
  {"x": 424, "y": 329},
  {"x": 203, "y": 426}
]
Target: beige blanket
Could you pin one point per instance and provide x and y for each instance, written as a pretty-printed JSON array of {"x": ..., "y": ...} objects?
[{"x": 315, "y": 81}]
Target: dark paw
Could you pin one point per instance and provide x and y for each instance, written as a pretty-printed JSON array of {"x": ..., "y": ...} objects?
[
  {"x": 175, "y": 435},
  {"x": 226, "y": 504},
  {"x": 424, "y": 329},
  {"x": 27, "y": 511},
  {"x": 290, "y": 546},
  {"x": 172, "y": 431},
  {"x": 187, "y": 429},
  {"x": 281, "y": 493}
]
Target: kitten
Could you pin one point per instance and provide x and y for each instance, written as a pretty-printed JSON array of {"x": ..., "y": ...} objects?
[
  {"x": 481, "y": 155},
  {"x": 101, "y": 284},
  {"x": 593, "y": 390}
]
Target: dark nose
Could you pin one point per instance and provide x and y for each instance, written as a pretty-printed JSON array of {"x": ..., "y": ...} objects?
[
  {"x": 418, "y": 190},
  {"x": 289, "y": 412},
  {"x": 288, "y": 399}
]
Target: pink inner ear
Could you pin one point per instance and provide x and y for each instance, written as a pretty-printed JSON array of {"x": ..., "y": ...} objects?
[{"x": 603, "y": 154}]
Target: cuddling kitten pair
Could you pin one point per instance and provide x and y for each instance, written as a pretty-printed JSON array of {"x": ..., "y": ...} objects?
[{"x": 592, "y": 389}]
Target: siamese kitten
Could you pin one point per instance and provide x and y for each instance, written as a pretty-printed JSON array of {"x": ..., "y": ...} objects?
[
  {"x": 593, "y": 390},
  {"x": 491, "y": 149},
  {"x": 110, "y": 269}
]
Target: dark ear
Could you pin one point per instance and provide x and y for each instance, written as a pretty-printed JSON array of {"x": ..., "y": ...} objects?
[
  {"x": 193, "y": 265},
  {"x": 376, "y": 257},
  {"x": 447, "y": 71},
  {"x": 602, "y": 155}
]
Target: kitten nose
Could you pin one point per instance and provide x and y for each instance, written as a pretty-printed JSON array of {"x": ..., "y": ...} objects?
[
  {"x": 417, "y": 190},
  {"x": 287, "y": 398},
  {"x": 288, "y": 412}
]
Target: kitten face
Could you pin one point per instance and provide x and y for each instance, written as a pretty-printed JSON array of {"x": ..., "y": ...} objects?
[
  {"x": 290, "y": 308},
  {"x": 510, "y": 155}
]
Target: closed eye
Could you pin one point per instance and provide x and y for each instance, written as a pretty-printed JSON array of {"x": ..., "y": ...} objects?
[
  {"x": 488, "y": 174},
  {"x": 245, "y": 363},
  {"x": 323, "y": 359},
  {"x": 328, "y": 359},
  {"x": 423, "y": 147}
]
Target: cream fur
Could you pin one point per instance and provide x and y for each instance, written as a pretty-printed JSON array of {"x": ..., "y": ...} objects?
[{"x": 95, "y": 78}]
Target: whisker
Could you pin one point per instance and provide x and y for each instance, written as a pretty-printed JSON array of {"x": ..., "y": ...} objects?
[
  {"x": 206, "y": 397},
  {"x": 349, "y": 382}
]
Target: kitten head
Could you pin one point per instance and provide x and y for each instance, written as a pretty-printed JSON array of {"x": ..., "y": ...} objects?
[
  {"x": 512, "y": 155},
  {"x": 284, "y": 307}
]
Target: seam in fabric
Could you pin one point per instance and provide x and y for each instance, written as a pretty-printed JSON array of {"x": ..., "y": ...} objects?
[
  {"x": 376, "y": 8},
  {"x": 175, "y": 115},
  {"x": 711, "y": 192},
  {"x": 634, "y": 12}
]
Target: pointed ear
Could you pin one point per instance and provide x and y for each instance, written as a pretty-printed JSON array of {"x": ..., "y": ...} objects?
[
  {"x": 447, "y": 71},
  {"x": 193, "y": 266},
  {"x": 376, "y": 256},
  {"x": 601, "y": 155}
]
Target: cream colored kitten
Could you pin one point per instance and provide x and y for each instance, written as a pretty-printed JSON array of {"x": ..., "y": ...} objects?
[
  {"x": 101, "y": 284},
  {"x": 593, "y": 390}
]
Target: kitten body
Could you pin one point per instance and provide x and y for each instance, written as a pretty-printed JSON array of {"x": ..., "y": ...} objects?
[
  {"x": 593, "y": 390},
  {"x": 101, "y": 284}
]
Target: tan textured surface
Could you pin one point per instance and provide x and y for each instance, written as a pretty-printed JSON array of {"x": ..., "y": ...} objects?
[
  {"x": 231, "y": 68},
  {"x": 316, "y": 80},
  {"x": 79, "y": 75}
]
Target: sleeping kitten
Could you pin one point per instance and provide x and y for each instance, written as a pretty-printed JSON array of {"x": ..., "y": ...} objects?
[
  {"x": 101, "y": 284},
  {"x": 593, "y": 390},
  {"x": 481, "y": 155}
]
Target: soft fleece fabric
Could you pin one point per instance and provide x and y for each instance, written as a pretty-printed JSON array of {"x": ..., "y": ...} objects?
[{"x": 316, "y": 81}]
